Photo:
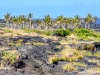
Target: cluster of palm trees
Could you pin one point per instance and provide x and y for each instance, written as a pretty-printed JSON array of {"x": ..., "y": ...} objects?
[
  {"x": 27, "y": 21},
  {"x": 18, "y": 21}
]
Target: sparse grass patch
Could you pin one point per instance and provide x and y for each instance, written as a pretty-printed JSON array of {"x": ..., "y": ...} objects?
[
  {"x": 86, "y": 53},
  {"x": 53, "y": 59},
  {"x": 37, "y": 43},
  {"x": 10, "y": 56},
  {"x": 11, "y": 44},
  {"x": 58, "y": 46},
  {"x": 28, "y": 43},
  {"x": 93, "y": 61},
  {"x": 95, "y": 69},
  {"x": 70, "y": 55},
  {"x": 69, "y": 67},
  {"x": 97, "y": 54},
  {"x": 45, "y": 32},
  {"x": 8, "y": 31},
  {"x": 19, "y": 34},
  {"x": 81, "y": 64},
  {"x": 18, "y": 44},
  {"x": 19, "y": 41}
]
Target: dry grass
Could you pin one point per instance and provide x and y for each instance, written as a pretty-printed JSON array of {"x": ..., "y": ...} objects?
[
  {"x": 71, "y": 39},
  {"x": 17, "y": 32},
  {"x": 69, "y": 67},
  {"x": 10, "y": 56},
  {"x": 67, "y": 54},
  {"x": 96, "y": 70},
  {"x": 4, "y": 48}
]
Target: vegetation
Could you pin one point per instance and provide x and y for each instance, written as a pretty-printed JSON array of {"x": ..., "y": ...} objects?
[
  {"x": 69, "y": 55},
  {"x": 86, "y": 34},
  {"x": 10, "y": 56},
  {"x": 60, "y": 26},
  {"x": 8, "y": 31},
  {"x": 37, "y": 43},
  {"x": 69, "y": 28},
  {"x": 47, "y": 32},
  {"x": 62, "y": 32},
  {"x": 69, "y": 68},
  {"x": 72, "y": 66},
  {"x": 47, "y": 23},
  {"x": 97, "y": 54}
]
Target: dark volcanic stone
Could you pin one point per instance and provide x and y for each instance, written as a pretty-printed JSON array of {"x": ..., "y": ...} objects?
[
  {"x": 19, "y": 64},
  {"x": 25, "y": 50}
]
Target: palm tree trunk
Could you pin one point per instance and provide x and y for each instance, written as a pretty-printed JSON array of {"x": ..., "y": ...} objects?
[
  {"x": 11, "y": 26},
  {"x": 85, "y": 26},
  {"x": 88, "y": 26},
  {"x": 30, "y": 25},
  {"x": 7, "y": 25}
]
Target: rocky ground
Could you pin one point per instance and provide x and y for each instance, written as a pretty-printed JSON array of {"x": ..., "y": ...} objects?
[{"x": 33, "y": 59}]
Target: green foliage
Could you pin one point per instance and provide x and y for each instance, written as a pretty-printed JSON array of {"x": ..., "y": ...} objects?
[
  {"x": 86, "y": 34},
  {"x": 97, "y": 54},
  {"x": 82, "y": 31},
  {"x": 1, "y": 26},
  {"x": 69, "y": 67},
  {"x": 45, "y": 32},
  {"x": 10, "y": 56},
  {"x": 8, "y": 31},
  {"x": 62, "y": 32}
]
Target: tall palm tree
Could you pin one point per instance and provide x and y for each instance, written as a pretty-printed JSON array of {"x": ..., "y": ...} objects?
[
  {"x": 88, "y": 20},
  {"x": 30, "y": 16},
  {"x": 23, "y": 21},
  {"x": 69, "y": 22},
  {"x": 19, "y": 21},
  {"x": 38, "y": 23},
  {"x": 94, "y": 20},
  {"x": 13, "y": 20},
  {"x": 7, "y": 19},
  {"x": 48, "y": 21},
  {"x": 60, "y": 21},
  {"x": 77, "y": 20}
]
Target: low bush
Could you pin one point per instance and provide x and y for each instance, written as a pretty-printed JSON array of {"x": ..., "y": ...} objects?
[
  {"x": 10, "y": 56},
  {"x": 62, "y": 32},
  {"x": 86, "y": 34}
]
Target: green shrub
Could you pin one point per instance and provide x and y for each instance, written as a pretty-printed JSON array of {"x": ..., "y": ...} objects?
[
  {"x": 86, "y": 34},
  {"x": 10, "y": 56},
  {"x": 62, "y": 32},
  {"x": 83, "y": 32},
  {"x": 8, "y": 31}
]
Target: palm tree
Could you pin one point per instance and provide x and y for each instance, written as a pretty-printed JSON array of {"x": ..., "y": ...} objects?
[
  {"x": 94, "y": 20},
  {"x": 48, "y": 21},
  {"x": 60, "y": 21},
  {"x": 88, "y": 21},
  {"x": 19, "y": 21},
  {"x": 23, "y": 21},
  {"x": 13, "y": 20},
  {"x": 77, "y": 20},
  {"x": 69, "y": 22},
  {"x": 38, "y": 23},
  {"x": 30, "y": 16},
  {"x": 7, "y": 19}
]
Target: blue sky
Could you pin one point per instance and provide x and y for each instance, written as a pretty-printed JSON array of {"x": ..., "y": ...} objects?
[{"x": 40, "y": 8}]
